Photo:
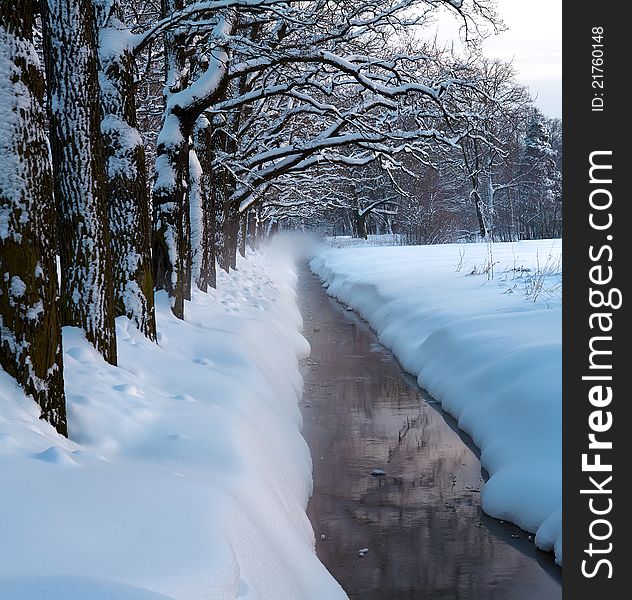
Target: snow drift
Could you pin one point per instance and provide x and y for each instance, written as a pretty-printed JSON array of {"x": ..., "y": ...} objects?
[
  {"x": 489, "y": 349},
  {"x": 186, "y": 476}
]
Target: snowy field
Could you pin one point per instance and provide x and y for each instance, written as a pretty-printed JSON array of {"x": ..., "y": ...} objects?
[
  {"x": 481, "y": 329},
  {"x": 186, "y": 477}
]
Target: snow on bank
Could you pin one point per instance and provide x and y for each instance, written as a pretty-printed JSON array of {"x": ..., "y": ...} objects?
[
  {"x": 186, "y": 477},
  {"x": 490, "y": 350}
]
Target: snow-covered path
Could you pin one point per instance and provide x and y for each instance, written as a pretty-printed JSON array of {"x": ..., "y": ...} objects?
[
  {"x": 187, "y": 477},
  {"x": 488, "y": 349}
]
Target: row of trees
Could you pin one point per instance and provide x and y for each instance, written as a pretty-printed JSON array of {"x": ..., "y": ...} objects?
[{"x": 253, "y": 94}]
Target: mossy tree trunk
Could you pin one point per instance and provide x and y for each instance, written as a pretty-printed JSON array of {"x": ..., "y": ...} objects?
[
  {"x": 30, "y": 332},
  {"x": 80, "y": 185},
  {"x": 127, "y": 192}
]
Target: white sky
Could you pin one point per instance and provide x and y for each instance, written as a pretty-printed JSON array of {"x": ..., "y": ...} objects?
[{"x": 533, "y": 42}]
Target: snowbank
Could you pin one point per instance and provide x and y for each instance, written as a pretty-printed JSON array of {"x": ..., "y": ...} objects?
[
  {"x": 186, "y": 477},
  {"x": 490, "y": 350}
]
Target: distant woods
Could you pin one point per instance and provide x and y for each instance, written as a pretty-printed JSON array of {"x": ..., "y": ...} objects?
[
  {"x": 145, "y": 144},
  {"x": 501, "y": 182}
]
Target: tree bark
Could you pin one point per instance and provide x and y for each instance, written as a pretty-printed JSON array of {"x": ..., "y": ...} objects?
[
  {"x": 30, "y": 330},
  {"x": 226, "y": 215},
  {"x": 127, "y": 192},
  {"x": 221, "y": 241},
  {"x": 171, "y": 244},
  {"x": 478, "y": 204},
  {"x": 233, "y": 233},
  {"x": 203, "y": 209},
  {"x": 80, "y": 185},
  {"x": 361, "y": 226},
  {"x": 243, "y": 233},
  {"x": 253, "y": 229},
  {"x": 171, "y": 201}
]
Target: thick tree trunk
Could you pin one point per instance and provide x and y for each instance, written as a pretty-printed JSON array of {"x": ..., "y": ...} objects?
[
  {"x": 171, "y": 243},
  {"x": 87, "y": 298},
  {"x": 127, "y": 193},
  {"x": 30, "y": 332},
  {"x": 172, "y": 220},
  {"x": 171, "y": 200}
]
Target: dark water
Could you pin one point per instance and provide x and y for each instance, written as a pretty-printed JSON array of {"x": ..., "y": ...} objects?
[{"x": 422, "y": 522}]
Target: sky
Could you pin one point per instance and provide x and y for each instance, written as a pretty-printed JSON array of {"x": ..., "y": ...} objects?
[{"x": 533, "y": 42}]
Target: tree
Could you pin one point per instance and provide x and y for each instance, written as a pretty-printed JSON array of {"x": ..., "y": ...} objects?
[
  {"x": 127, "y": 191},
  {"x": 30, "y": 332},
  {"x": 541, "y": 192},
  {"x": 80, "y": 183}
]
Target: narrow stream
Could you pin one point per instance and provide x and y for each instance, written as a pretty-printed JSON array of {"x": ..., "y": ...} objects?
[{"x": 422, "y": 522}]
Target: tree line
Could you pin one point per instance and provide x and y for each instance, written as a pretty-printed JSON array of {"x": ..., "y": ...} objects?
[
  {"x": 502, "y": 183},
  {"x": 143, "y": 143}
]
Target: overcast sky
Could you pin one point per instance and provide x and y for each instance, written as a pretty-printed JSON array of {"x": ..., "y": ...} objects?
[{"x": 534, "y": 42}]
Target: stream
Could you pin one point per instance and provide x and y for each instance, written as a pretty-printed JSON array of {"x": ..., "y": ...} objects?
[{"x": 421, "y": 521}]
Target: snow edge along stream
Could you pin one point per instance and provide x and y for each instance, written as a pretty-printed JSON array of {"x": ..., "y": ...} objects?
[{"x": 492, "y": 359}]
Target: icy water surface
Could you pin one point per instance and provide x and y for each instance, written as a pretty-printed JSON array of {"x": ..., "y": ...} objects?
[{"x": 422, "y": 523}]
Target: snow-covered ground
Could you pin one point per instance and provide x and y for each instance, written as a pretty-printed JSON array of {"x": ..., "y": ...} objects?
[
  {"x": 488, "y": 348},
  {"x": 186, "y": 477}
]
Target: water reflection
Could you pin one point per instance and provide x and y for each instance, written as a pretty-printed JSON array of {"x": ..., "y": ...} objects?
[{"x": 422, "y": 522}]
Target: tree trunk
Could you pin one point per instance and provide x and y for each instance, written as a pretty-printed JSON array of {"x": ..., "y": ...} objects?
[
  {"x": 478, "y": 204},
  {"x": 202, "y": 143},
  {"x": 221, "y": 243},
  {"x": 243, "y": 233},
  {"x": 196, "y": 201},
  {"x": 228, "y": 221},
  {"x": 202, "y": 208},
  {"x": 234, "y": 223},
  {"x": 171, "y": 244},
  {"x": 253, "y": 229},
  {"x": 30, "y": 331},
  {"x": 171, "y": 201},
  {"x": 87, "y": 297},
  {"x": 361, "y": 226},
  {"x": 127, "y": 193}
]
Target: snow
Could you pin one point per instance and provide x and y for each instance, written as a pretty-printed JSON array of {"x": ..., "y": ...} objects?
[
  {"x": 17, "y": 287},
  {"x": 185, "y": 476},
  {"x": 126, "y": 140},
  {"x": 489, "y": 349},
  {"x": 18, "y": 109},
  {"x": 196, "y": 210},
  {"x": 165, "y": 174}
]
